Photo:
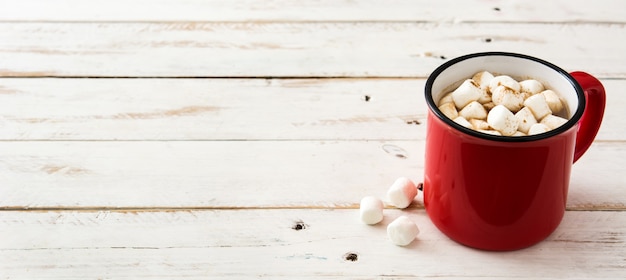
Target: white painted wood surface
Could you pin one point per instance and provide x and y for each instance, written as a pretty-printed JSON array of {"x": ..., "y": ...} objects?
[
  {"x": 230, "y": 109},
  {"x": 313, "y": 10},
  {"x": 244, "y": 174},
  {"x": 234, "y": 139},
  {"x": 247, "y": 244},
  {"x": 320, "y": 49}
]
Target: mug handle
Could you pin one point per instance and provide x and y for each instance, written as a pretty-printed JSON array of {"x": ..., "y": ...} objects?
[{"x": 594, "y": 111}]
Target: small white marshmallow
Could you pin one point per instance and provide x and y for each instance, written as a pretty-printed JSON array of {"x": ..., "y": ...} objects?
[
  {"x": 538, "y": 128},
  {"x": 526, "y": 119},
  {"x": 402, "y": 192},
  {"x": 538, "y": 105},
  {"x": 479, "y": 124},
  {"x": 467, "y": 92},
  {"x": 492, "y": 132},
  {"x": 462, "y": 121},
  {"x": 371, "y": 210},
  {"x": 531, "y": 86},
  {"x": 502, "y": 120},
  {"x": 519, "y": 133},
  {"x": 489, "y": 105},
  {"x": 512, "y": 100},
  {"x": 553, "y": 101},
  {"x": 483, "y": 79},
  {"x": 449, "y": 110},
  {"x": 485, "y": 98},
  {"x": 473, "y": 110},
  {"x": 553, "y": 121},
  {"x": 446, "y": 99},
  {"x": 505, "y": 81},
  {"x": 402, "y": 231}
]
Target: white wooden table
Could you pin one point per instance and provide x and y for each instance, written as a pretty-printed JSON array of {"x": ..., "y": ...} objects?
[{"x": 234, "y": 139}]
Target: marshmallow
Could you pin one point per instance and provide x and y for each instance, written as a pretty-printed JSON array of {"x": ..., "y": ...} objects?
[
  {"x": 402, "y": 231},
  {"x": 483, "y": 78},
  {"x": 538, "y": 128},
  {"x": 371, "y": 210},
  {"x": 446, "y": 98},
  {"x": 512, "y": 100},
  {"x": 467, "y": 92},
  {"x": 449, "y": 110},
  {"x": 502, "y": 120},
  {"x": 479, "y": 124},
  {"x": 538, "y": 105},
  {"x": 485, "y": 98},
  {"x": 505, "y": 81},
  {"x": 553, "y": 121},
  {"x": 531, "y": 86},
  {"x": 489, "y": 105},
  {"x": 473, "y": 110},
  {"x": 463, "y": 122},
  {"x": 553, "y": 101},
  {"x": 502, "y": 106},
  {"x": 492, "y": 132},
  {"x": 526, "y": 119},
  {"x": 402, "y": 192}
]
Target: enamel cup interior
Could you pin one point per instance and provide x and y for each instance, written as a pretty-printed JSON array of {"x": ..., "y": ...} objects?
[{"x": 519, "y": 68}]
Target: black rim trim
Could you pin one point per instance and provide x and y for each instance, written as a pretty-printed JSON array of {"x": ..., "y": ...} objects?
[{"x": 569, "y": 124}]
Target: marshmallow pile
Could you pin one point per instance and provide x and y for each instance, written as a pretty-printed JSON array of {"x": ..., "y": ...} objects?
[
  {"x": 500, "y": 105},
  {"x": 402, "y": 231}
]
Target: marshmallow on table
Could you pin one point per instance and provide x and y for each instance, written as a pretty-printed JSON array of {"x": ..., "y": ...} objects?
[
  {"x": 538, "y": 128},
  {"x": 502, "y": 120},
  {"x": 473, "y": 110},
  {"x": 553, "y": 100},
  {"x": 402, "y": 192},
  {"x": 449, "y": 110},
  {"x": 371, "y": 210},
  {"x": 467, "y": 92},
  {"x": 511, "y": 99},
  {"x": 538, "y": 105},
  {"x": 526, "y": 119},
  {"x": 402, "y": 231},
  {"x": 553, "y": 121}
]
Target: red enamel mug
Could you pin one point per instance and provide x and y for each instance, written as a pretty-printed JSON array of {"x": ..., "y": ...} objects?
[{"x": 505, "y": 193}]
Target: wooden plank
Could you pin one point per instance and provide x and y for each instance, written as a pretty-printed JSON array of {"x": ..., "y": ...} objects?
[
  {"x": 192, "y": 49},
  {"x": 246, "y": 174},
  {"x": 313, "y": 10},
  {"x": 230, "y": 109},
  {"x": 247, "y": 244}
]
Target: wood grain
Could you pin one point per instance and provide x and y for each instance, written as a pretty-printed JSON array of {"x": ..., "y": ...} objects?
[
  {"x": 231, "y": 109},
  {"x": 161, "y": 139},
  {"x": 328, "y": 49},
  {"x": 245, "y": 174},
  {"x": 313, "y": 10},
  {"x": 245, "y": 244}
]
